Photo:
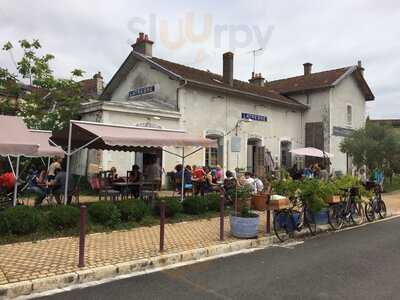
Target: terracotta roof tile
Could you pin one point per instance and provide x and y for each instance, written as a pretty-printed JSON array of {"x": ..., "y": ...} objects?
[
  {"x": 313, "y": 81},
  {"x": 216, "y": 80}
]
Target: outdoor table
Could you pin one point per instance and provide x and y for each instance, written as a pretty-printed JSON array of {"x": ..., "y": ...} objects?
[{"x": 126, "y": 185}]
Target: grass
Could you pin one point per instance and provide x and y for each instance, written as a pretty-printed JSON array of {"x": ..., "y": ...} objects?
[{"x": 393, "y": 186}]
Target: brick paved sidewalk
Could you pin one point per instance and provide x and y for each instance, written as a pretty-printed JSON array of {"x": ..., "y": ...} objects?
[{"x": 31, "y": 260}]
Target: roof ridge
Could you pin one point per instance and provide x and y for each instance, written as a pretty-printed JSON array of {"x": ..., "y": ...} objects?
[{"x": 315, "y": 73}]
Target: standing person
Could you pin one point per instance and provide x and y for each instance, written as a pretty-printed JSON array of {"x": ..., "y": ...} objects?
[
  {"x": 55, "y": 165},
  {"x": 152, "y": 172},
  {"x": 258, "y": 184},
  {"x": 135, "y": 176},
  {"x": 209, "y": 185},
  {"x": 324, "y": 174},
  {"x": 187, "y": 179},
  {"x": 198, "y": 180},
  {"x": 362, "y": 176},
  {"x": 378, "y": 177},
  {"x": 219, "y": 174}
]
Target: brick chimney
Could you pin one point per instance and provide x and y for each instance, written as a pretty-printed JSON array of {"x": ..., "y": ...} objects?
[
  {"x": 143, "y": 45},
  {"x": 99, "y": 83},
  {"x": 227, "y": 68},
  {"x": 307, "y": 68},
  {"x": 360, "y": 67},
  {"x": 257, "y": 79}
]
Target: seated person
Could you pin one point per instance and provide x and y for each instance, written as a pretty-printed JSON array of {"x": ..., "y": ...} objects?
[
  {"x": 187, "y": 175},
  {"x": 37, "y": 185},
  {"x": 209, "y": 185},
  {"x": 58, "y": 185}
]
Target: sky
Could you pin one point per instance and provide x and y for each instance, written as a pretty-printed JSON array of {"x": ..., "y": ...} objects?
[{"x": 96, "y": 36}]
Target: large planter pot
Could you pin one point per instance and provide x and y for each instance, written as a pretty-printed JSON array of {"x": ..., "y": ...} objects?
[
  {"x": 321, "y": 217},
  {"x": 244, "y": 227}
]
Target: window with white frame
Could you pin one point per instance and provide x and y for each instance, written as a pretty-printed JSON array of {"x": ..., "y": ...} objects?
[
  {"x": 349, "y": 114},
  {"x": 211, "y": 157}
]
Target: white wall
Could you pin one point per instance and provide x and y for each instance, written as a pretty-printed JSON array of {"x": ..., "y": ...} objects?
[
  {"x": 204, "y": 110},
  {"x": 347, "y": 92}
]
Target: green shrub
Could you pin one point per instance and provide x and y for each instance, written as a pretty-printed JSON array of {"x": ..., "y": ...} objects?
[
  {"x": 134, "y": 210},
  {"x": 63, "y": 217},
  {"x": 195, "y": 205},
  {"x": 105, "y": 213},
  {"x": 172, "y": 206},
  {"x": 19, "y": 220},
  {"x": 213, "y": 201}
]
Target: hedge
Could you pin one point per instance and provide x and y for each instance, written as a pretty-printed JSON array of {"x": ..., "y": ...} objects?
[
  {"x": 172, "y": 206},
  {"x": 63, "y": 217},
  {"x": 105, "y": 213},
  {"x": 19, "y": 220},
  {"x": 133, "y": 210},
  {"x": 195, "y": 205}
]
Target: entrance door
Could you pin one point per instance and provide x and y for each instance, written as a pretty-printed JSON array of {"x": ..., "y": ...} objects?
[
  {"x": 286, "y": 156},
  {"x": 255, "y": 157}
]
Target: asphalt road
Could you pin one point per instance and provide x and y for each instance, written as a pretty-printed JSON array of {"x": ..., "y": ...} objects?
[{"x": 362, "y": 263}]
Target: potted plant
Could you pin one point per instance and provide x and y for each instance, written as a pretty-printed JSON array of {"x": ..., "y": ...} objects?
[
  {"x": 243, "y": 222},
  {"x": 315, "y": 192}
]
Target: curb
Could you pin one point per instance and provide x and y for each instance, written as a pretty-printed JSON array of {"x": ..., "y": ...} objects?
[{"x": 25, "y": 288}]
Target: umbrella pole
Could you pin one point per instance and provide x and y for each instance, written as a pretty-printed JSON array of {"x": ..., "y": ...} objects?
[
  {"x": 16, "y": 182},
  {"x": 183, "y": 174},
  {"x": 11, "y": 165},
  {"x": 68, "y": 161}
]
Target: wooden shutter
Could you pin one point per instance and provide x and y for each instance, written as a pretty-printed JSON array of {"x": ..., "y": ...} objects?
[{"x": 259, "y": 161}]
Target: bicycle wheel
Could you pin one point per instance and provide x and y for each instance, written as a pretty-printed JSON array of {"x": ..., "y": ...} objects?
[
  {"x": 369, "y": 212},
  {"x": 335, "y": 216},
  {"x": 283, "y": 225},
  {"x": 309, "y": 221},
  {"x": 356, "y": 213},
  {"x": 382, "y": 209}
]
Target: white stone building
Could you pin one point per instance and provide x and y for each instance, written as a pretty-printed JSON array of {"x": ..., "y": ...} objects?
[{"x": 314, "y": 109}]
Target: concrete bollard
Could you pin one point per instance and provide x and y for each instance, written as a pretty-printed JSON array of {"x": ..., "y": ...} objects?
[
  {"x": 162, "y": 225},
  {"x": 82, "y": 236}
]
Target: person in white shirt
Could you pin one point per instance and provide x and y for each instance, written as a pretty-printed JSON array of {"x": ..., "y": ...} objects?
[{"x": 258, "y": 184}]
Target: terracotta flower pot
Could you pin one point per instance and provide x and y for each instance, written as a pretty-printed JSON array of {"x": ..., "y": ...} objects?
[{"x": 259, "y": 202}]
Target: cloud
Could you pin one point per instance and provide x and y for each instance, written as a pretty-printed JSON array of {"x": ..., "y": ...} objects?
[{"x": 96, "y": 36}]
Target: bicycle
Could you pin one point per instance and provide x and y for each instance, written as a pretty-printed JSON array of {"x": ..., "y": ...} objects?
[
  {"x": 290, "y": 220},
  {"x": 348, "y": 211},
  {"x": 375, "y": 206}
]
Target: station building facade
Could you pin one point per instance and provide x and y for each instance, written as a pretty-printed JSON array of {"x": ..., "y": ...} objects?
[{"x": 256, "y": 123}]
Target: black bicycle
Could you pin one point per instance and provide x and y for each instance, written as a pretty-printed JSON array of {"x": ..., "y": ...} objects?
[
  {"x": 289, "y": 221},
  {"x": 376, "y": 206},
  {"x": 349, "y": 211}
]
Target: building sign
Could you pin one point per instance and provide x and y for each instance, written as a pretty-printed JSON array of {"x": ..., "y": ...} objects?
[
  {"x": 254, "y": 117},
  {"x": 341, "y": 131},
  {"x": 236, "y": 142},
  {"x": 144, "y": 90},
  {"x": 148, "y": 125}
]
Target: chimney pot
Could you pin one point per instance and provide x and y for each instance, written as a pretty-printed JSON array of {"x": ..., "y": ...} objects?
[
  {"x": 360, "y": 67},
  {"x": 227, "y": 68},
  {"x": 143, "y": 45},
  {"x": 307, "y": 68},
  {"x": 257, "y": 79}
]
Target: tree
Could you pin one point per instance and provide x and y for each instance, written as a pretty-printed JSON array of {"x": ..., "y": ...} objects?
[
  {"x": 46, "y": 102},
  {"x": 375, "y": 145}
]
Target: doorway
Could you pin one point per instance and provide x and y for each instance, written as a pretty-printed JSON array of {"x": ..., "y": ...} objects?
[
  {"x": 255, "y": 157},
  {"x": 286, "y": 156}
]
